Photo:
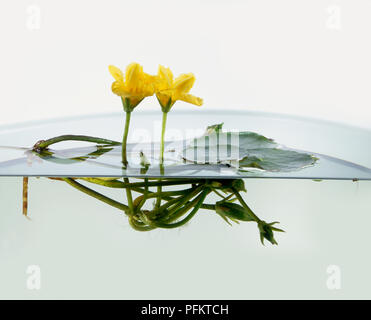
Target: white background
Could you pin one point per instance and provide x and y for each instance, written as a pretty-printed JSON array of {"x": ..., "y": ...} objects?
[{"x": 309, "y": 58}]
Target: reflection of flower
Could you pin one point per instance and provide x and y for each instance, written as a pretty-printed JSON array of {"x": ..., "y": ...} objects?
[
  {"x": 168, "y": 90},
  {"x": 134, "y": 86},
  {"x": 31, "y": 157}
]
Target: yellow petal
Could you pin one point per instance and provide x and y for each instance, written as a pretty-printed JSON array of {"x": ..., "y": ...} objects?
[
  {"x": 166, "y": 76},
  {"x": 184, "y": 83},
  {"x": 133, "y": 75},
  {"x": 149, "y": 83},
  {"x": 116, "y": 73},
  {"x": 119, "y": 88},
  {"x": 191, "y": 99}
]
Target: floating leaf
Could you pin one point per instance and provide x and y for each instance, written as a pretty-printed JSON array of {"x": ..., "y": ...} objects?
[
  {"x": 246, "y": 150},
  {"x": 214, "y": 128},
  {"x": 276, "y": 159}
]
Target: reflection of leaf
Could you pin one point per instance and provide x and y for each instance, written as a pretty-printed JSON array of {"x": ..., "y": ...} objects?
[
  {"x": 100, "y": 150},
  {"x": 49, "y": 155},
  {"x": 244, "y": 149}
]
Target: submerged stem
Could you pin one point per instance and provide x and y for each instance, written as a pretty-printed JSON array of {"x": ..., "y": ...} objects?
[
  {"x": 162, "y": 147},
  {"x": 196, "y": 203},
  {"x": 182, "y": 206},
  {"x": 145, "y": 195},
  {"x": 96, "y": 195},
  {"x": 129, "y": 196},
  {"x": 244, "y": 204},
  {"x": 25, "y": 195},
  {"x": 120, "y": 184}
]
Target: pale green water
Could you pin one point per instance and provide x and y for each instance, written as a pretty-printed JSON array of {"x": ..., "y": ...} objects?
[{"x": 86, "y": 249}]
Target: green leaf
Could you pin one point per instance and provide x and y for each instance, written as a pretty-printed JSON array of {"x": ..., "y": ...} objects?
[
  {"x": 251, "y": 140},
  {"x": 214, "y": 128},
  {"x": 242, "y": 140},
  {"x": 244, "y": 150},
  {"x": 276, "y": 159}
]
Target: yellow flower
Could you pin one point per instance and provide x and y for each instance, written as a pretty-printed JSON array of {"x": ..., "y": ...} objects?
[
  {"x": 168, "y": 90},
  {"x": 134, "y": 86}
]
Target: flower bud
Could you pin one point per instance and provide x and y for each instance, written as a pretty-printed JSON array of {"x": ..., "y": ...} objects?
[
  {"x": 266, "y": 231},
  {"x": 233, "y": 211},
  {"x": 227, "y": 185}
]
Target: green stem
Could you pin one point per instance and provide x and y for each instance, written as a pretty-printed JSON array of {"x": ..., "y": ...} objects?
[
  {"x": 168, "y": 193},
  {"x": 145, "y": 195},
  {"x": 162, "y": 145},
  {"x": 120, "y": 184},
  {"x": 244, "y": 204},
  {"x": 219, "y": 194},
  {"x": 129, "y": 196},
  {"x": 96, "y": 195},
  {"x": 168, "y": 183},
  {"x": 197, "y": 204},
  {"x": 106, "y": 183},
  {"x": 206, "y": 206},
  {"x": 170, "y": 203},
  {"x": 182, "y": 206},
  {"x": 43, "y": 144},
  {"x": 159, "y": 197},
  {"x": 125, "y": 138},
  {"x": 126, "y": 105},
  {"x": 166, "y": 211},
  {"x": 168, "y": 198}
]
